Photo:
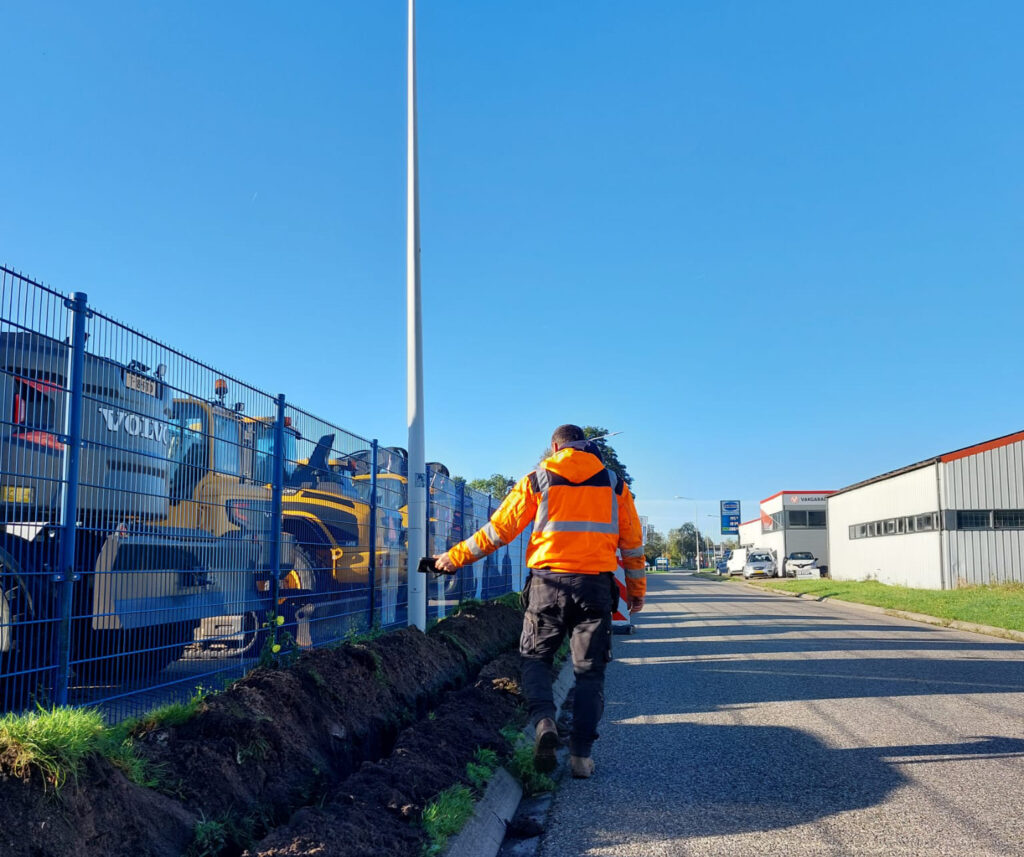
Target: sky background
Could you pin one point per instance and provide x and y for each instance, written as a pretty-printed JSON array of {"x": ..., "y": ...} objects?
[{"x": 776, "y": 245}]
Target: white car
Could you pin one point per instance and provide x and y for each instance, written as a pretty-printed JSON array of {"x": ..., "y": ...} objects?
[
  {"x": 801, "y": 564},
  {"x": 759, "y": 564}
]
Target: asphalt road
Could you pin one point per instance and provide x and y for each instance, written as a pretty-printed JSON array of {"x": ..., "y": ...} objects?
[{"x": 743, "y": 723}]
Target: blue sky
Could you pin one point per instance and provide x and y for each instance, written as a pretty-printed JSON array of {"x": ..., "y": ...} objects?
[{"x": 777, "y": 245}]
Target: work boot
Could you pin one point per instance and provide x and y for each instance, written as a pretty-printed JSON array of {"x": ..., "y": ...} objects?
[
  {"x": 544, "y": 745},
  {"x": 581, "y": 766}
]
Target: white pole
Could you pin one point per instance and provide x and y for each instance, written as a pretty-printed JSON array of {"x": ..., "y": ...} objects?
[
  {"x": 696, "y": 534},
  {"x": 417, "y": 499}
]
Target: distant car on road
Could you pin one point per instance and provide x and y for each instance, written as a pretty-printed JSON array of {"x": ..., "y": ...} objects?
[
  {"x": 759, "y": 564},
  {"x": 722, "y": 566},
  {"x": 800, "y": 564}
]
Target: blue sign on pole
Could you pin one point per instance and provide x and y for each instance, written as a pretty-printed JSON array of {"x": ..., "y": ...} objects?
[{"x": 730, "y": 510}]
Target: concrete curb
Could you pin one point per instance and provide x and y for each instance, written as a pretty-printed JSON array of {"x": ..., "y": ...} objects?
[
  {"x": 989, "y": 630},
  {"x": 484, "y": 833}
]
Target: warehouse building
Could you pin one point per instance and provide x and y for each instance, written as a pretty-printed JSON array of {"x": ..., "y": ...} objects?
[
  {"x": 790, "y": 521},
  {"x": 944, "y": 522}
]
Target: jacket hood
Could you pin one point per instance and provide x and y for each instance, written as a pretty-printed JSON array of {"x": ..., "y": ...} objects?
[{"x": 573, "y": 464}]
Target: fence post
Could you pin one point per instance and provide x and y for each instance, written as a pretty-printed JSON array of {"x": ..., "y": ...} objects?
[
  {"x": 486, "y": 590},
  {"x": 276, "y": 516},
  {"x": 372, "y": 568},
  {"x": 462, "y": 537},
  {"x": 66, "y": 573}
]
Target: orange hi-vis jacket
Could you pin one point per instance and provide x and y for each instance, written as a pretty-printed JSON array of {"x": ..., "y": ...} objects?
[{"x": 582, "y": 513}]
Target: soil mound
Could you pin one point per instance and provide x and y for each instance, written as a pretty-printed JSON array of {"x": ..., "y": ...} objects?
[
  {"x": 281, "y": 739},
  {"x": 372, "y": 812}
]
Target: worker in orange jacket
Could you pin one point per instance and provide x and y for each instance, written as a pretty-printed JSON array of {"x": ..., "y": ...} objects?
[{"x": 582, "y": 516}]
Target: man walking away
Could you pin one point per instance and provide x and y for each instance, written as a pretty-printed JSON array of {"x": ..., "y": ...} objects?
[{"x": 582, "y": 513}]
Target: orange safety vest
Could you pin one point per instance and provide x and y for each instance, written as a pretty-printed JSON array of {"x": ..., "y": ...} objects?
[{"x": 582, "y": 514}]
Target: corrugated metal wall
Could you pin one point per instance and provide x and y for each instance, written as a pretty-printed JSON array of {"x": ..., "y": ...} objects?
[{"x": 993, "y": 479}]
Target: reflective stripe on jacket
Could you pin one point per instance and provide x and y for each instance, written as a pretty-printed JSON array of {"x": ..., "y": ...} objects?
[{"x": 582, "y": 513}]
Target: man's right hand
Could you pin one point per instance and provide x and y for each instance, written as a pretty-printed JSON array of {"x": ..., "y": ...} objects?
[
  {"x": 444, "y": 562},
  {"x": 636, "y": 604}
]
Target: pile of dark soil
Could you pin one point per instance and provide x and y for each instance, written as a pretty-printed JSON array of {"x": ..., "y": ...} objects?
[
  {"x": 373, "y": 812},
  {"x": 280, "y": 740}
]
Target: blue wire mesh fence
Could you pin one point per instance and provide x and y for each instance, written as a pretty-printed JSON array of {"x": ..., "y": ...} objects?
[{"x": 165, "y": 524}]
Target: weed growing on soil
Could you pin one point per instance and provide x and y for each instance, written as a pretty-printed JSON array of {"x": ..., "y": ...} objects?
[
  {"x": 482, "y": 768},
  {"x": 258, "y": 749},
  {"x": 521, "y": 764},
  {"x": 161, "y": 717},
  {"x": 53, "y": 742},
  {"x": 280, "y": 649},
  {"x": 210, "y": 838},
  {"x": 445, "y": 816}
]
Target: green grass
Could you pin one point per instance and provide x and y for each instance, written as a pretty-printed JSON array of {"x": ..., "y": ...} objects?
[
  {"x": 522, "y": 767},
  {"x": 481, "y": 769},
  {"x": 53, "y": 742},
  {"x": 445, "y": 816},
  {"x": 999, "y": 605},
  {"x": 209, "y": 838}
]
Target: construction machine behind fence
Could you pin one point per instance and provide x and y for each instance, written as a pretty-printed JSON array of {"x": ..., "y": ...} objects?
[{"x": 172, "y": 519}]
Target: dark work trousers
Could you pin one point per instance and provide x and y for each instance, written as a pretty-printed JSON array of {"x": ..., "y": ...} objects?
[{"x": 579, "y": 605}]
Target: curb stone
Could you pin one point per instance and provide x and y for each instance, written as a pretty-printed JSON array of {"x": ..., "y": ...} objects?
[
  {"x": 989, "y": 630},
  {"x": 484, "y": 833}
]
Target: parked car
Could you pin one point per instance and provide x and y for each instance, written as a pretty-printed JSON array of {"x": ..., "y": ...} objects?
[
  {"x": 722, "y": 566},
  {"x": 759, "y": 564},
  {"x": 800, "y": 564},
  {"x": 737, "y": 559}
]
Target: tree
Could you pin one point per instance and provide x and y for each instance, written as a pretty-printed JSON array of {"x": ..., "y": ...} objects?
[
  {"x": 682, "y": 542},
  {"x": 655, "y": 545},
  {"x": 608, "y": 455},
  {"x": 498, "y": 485}
]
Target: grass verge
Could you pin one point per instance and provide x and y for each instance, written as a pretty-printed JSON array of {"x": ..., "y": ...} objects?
[
  {"x": 998, "y": 605},
  {"x": 53, "y": 742},
  {"x": 445, "y": 816}
]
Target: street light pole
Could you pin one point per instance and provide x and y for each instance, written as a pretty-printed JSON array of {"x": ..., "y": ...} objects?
[{"x": 417, "y": 477}]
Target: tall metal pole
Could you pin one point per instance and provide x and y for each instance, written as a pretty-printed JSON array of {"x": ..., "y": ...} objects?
[
  {"x": 696, "y": 535},
  {"x": 414, "y": 355}
]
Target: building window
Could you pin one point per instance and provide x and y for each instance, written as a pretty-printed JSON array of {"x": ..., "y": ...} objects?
[
  {"x": 900, "y": 526},
  {"x": 797, "y": 519},
  {"x": 973, "y": 520},
  {"x": 816, "y": 519},
  {"x": 1008, "y": 519}
]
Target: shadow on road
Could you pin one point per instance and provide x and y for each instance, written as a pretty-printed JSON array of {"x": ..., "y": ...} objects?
[{"x": 735, "y": 779}]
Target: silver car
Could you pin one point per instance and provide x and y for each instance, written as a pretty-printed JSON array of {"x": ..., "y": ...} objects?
[{"x": 759, "y": 564}]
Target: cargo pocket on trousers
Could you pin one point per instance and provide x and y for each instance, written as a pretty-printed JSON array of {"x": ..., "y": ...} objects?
[
  {"x": 524, "y": 596},
  {"x": 528, "y": 640}
]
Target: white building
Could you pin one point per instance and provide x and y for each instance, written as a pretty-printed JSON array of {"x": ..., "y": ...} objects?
[
  {"x": 790, "y": 521},
  {"x": 951, "y": 520}
]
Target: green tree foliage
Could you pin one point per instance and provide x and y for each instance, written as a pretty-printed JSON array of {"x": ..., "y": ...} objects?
[
  {"x": 498, "y": 485},
  {"x": 611, "y": 459},
  {"x": 682, "y": 542},
  {"x": 655, "y": 545}
]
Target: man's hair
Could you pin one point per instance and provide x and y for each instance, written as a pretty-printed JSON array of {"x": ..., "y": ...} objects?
[{"x": 567, "y": 433}]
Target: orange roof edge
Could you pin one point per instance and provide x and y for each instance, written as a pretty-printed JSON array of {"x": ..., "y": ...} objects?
[{"x": 982, "y": 447}]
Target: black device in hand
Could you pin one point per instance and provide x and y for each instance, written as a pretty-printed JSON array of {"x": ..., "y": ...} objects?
[{"x": 428, "y": 565}]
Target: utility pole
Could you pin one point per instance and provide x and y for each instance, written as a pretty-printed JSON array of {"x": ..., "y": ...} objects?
[{"x": 417, "y": 485}]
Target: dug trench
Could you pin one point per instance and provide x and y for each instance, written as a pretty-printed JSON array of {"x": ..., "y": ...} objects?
[{"x": 335, "y": 754}]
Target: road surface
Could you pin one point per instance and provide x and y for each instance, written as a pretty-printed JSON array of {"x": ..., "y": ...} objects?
[{"x": 744, "y": 723}]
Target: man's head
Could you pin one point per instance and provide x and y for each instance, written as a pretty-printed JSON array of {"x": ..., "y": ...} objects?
[{"x": 564, "y": 434}]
